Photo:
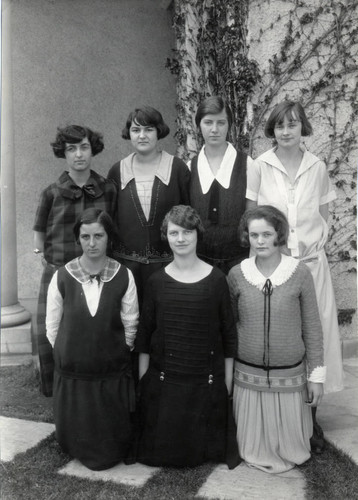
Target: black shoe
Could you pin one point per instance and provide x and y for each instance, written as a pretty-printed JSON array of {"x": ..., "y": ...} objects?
[{"x": 317, "y": 441}]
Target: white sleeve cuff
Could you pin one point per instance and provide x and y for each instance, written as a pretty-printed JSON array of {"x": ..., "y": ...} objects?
[{"x": 318, "y": 375}]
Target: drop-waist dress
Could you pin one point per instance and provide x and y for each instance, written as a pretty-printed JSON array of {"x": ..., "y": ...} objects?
[
  {"x": 93, "y": 383},
  {"x": 188, "y": 330}
]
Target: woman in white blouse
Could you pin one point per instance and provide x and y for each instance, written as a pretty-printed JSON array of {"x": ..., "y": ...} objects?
[
  {"x": 218, "y": 185},
  {"x": 92, "y": 316},
  {"x": 296, "y": 182}
]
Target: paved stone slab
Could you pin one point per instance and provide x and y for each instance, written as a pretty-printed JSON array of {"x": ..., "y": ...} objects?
[
  {"x": 132, "y": 475},
  {"x": 338, "y": 413},
  {"x": 247, "y": 483},
  {"x": 17, "y": 436}
]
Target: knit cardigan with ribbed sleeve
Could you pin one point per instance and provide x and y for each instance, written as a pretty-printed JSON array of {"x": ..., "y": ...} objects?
[{"x": 295, "y": 328}]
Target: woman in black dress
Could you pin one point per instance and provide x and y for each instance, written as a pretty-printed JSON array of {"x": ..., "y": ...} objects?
[
  {"x": 92, "y": 317},
  {"x": 186, "y": 340}
]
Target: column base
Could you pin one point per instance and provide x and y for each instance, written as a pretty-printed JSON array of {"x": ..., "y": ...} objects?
[
  {"x": 16, "y": 339},
  {"x": 14, "y": 315}
]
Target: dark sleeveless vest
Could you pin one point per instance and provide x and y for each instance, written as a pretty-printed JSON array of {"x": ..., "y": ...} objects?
[
  {"x": 221, "y": 210},
  {"x": 91, "y": 347}
]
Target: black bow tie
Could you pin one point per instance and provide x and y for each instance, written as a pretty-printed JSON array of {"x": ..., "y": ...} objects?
[
  {"x": 95, "y": 277},
  {"x": 89, "y": 189}
]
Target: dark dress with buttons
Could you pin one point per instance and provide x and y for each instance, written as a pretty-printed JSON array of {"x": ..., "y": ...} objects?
[
  {"x": 188, "y": 330},
  {"x": 220, "y": 210}
]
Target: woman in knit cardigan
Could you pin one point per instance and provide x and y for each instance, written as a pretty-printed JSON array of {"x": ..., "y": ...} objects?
[
  {"x": 279, "y": 372},
  {"x": 218, "y": 186}
]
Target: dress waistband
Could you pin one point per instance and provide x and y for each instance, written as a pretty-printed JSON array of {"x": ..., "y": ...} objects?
[
  {"x": 179, "y": 378},
  {"x": 268, "y": 368}
]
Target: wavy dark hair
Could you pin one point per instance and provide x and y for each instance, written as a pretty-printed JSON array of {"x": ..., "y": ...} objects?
[
  {"x": 183, "y": 216},
  {"x": 73, "y": 134},
  {"x": 272, "y": 216},
  {"x": 146, "y": 116}
]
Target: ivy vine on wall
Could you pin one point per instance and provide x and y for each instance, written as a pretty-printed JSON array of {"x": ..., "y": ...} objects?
[
  {"x": 314, "y": 60},
  {"x": 211, "y": 58}
]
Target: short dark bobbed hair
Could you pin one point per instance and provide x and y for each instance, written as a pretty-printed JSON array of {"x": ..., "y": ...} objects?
[
  {"x": 92, "y": 215},
  {"x": 183, "y": 216},
  {"x": 212, "y": 106},
  {"x": 287, "y": 108},
  {"x": 73, "y": 134},
  {"x": 272, "y": 216},
  {"x": 146, "y": 116}
]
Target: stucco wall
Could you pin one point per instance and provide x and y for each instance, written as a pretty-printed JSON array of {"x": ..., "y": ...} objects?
[
  {"x": 267, "y": 28},
  {"x": 88, "y": 62}
]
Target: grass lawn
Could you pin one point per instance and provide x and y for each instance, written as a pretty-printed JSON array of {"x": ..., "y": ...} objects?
[{"x": 33, "y": 475}]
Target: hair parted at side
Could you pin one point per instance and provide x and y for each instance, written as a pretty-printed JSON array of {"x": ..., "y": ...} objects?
[
  {"x": 289, "y": 109},
  {"x": 146, "y": 116},
  {"x": 212, "y": 106},
  {"x": 184, "y": 216},
  {"x": 272, "y": 216},
  {"x": 92, "y": 215},
  {"x": 73, "y": 134}
]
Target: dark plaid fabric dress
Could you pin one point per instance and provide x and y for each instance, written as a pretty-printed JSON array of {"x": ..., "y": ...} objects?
[
  {"x": 59, "y": 206},
  {"x": 188, "y": 330}
]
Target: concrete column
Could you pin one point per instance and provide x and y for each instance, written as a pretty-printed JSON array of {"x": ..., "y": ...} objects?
[{"x": 12, "y": 313}]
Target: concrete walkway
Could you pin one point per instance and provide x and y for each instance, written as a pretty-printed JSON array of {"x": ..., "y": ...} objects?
[{"x": 338, "y": 416}]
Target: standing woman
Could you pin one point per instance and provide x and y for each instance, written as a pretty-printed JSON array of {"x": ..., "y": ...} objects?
[
  {"x": 78, "y": 187},
  {"x": 279, "y": 341},
  {"x": 187, "y": 341},
  {"x": 218, "y": 186},
  {"x": 92, "y": 316},
  {"x": 150, "y": 181},
  {"x": 297, "y": 183}
]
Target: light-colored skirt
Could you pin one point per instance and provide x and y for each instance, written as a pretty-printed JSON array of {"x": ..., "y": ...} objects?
[
  {"x": 319, "y": 267},
  {"x": 273, "y": 428}
]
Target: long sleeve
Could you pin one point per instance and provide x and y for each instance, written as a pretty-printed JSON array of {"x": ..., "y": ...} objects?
[
  {"x": 147, "y": 323},
  {"x": 54, "y": 310},
  {"x": 130, "y": 311},
  {"x": 228, "y": 330},
  {"x": 231, "y": 279},
  {"x": 311, "y": 324}
]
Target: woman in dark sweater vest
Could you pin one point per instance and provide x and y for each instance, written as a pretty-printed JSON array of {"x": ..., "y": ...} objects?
[
  {"x": 92, "y": 316},
  {"x": 150, "y": 181},
  {"x": 218, "y": 186}
]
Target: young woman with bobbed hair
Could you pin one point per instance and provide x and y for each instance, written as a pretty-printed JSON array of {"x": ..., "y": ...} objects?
[
  {"x": 279, "y": 368},
  {"x": 218, "y": 185},
  {"x": 150, "y": 181},
  {"x": 78, "y": 187},
  {"x": 92, "y": 317},
  {"x": 296, "y": 182},
  {"x": 186, "y": 342}
]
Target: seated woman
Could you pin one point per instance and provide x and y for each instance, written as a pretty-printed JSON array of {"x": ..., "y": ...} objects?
[
  {"x": 280, "y": 340},
  {"x": 150, "y": 181},
  {"x": 186, "y": 340},
  {"x": 92, "y": 316}
]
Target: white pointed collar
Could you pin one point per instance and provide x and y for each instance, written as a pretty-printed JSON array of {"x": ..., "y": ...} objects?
[
  {"x": 223, "y": 176},
  {"x": 281, "y": 274}
]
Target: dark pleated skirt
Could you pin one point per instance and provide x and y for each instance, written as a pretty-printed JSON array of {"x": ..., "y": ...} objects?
[
  {"x": 185, "y": 424},
  {"x": 93, "y": 419}
]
